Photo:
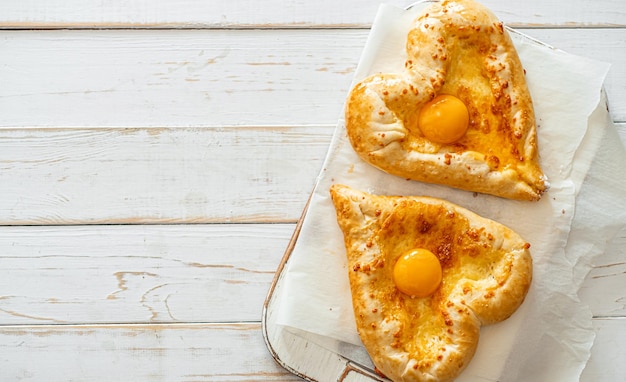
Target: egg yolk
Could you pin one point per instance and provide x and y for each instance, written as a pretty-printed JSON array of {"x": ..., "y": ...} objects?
[
  {"x": 444, "y": 119},
  {"x": 417, "y": 273}
]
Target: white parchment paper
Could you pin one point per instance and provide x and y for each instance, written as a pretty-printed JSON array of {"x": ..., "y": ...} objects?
[{"x": 552, "y": 328}]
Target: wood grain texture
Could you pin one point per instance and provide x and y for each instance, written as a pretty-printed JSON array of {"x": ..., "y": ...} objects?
[
  {"x": 137, "y": 273},
  {"x": 213, "y": 78},
  {"x": 192, "y": 352},
  {"x": 168, "y": 175},
  {"x": 184, "y": 352},
  {"x": 176, "y": 273},
  {"x": 192, "y": 175},
  {"x": 175, "y": 78},
  {"x": 276, "y": 13}
]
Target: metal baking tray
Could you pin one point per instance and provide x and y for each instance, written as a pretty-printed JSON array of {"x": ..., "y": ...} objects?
[{"x": 307, "y": 355}]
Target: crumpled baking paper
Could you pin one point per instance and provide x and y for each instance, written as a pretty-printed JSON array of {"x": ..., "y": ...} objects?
[{"x": 550, "y": 336}]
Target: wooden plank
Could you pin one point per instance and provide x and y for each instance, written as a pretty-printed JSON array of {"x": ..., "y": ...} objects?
[
  {"x": 200, "y": 78},
  {"x": 276, "y": 13},
  {"x": 174, "y": 273},
  {"x": 111, "y": 176},
  {"x": 195, "y": 352},
  {"x": 185, "y": 352},
  {"x": 137, "y": 274},
  {"x": 180, "y": 78},
  {"x": 65, "y": 176},
  {"x": 168, "y": 175}
]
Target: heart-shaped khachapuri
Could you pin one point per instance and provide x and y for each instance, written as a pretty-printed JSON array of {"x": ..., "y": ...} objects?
[
  {"x": 459, "y": 114},
  {"x": 425, "y": 274}
]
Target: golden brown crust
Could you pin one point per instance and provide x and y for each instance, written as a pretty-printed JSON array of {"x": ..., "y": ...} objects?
[
  {"x": 454, "y": 47},
  {"x": 487, "y": 270}
]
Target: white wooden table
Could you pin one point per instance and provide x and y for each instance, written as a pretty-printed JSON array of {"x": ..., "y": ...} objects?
[{"x": 155, "y": 157}]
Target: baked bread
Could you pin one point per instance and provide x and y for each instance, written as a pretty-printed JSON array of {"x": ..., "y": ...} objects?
[
  {"x": 486, "y": 270},
  {"x": 457, "y": 48}
]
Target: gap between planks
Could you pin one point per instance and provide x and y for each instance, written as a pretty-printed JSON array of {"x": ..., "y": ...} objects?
[{"x": 245, "y": 27}]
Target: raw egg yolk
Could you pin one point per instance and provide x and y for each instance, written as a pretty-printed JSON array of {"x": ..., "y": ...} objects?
[
  {"x": 417, "y": 273},
  {"x": 444, "y": 119}
]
